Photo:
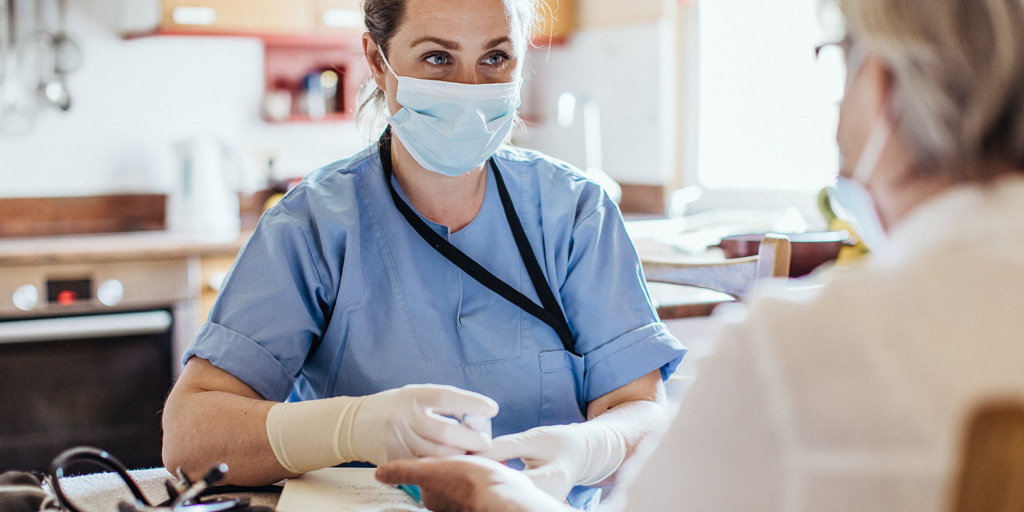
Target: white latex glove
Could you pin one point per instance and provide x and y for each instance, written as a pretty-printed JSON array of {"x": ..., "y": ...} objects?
[
  {"x": 559, "y": 457},
  {"x": 394, "y": 424},
  {"x": 407, "y": 422}
]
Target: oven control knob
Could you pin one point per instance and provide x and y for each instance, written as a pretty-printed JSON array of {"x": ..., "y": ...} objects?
[
  {"x": 26, "y": 297},
  {"x": 110, "y": 292}
]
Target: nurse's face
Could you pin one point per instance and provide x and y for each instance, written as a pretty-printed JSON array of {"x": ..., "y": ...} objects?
[{"x": 464, "y": 41}]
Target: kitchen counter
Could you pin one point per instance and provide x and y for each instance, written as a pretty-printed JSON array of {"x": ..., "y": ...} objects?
[
  {"x": 672, "y": 301},
  {"x": 145, "y": 245}
]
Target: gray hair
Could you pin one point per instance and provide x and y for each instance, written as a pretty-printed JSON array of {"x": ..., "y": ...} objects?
[
  {"x": 383, "y": 19},
  {"x": 958, "y": 70}
]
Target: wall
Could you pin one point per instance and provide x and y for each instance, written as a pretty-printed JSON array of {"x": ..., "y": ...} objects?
[
  {"x": 620, "y": 69},
  {"x": 626, "y": 58},
  {"x": 134, "y": 99}
]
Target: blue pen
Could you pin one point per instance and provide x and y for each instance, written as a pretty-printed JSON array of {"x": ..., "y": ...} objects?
[
  {"x": 478, "y": 423},
  {"x": 413, "y": 491}
]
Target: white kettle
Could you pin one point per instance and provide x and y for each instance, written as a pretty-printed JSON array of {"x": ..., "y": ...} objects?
[{"x": 204, "y": 202}]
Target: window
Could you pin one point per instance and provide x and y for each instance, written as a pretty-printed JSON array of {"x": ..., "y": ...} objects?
[{"x": 766, "y": 108}]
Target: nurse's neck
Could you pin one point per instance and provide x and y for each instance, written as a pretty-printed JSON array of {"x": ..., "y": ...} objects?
[{"x": 452, "y": 202}]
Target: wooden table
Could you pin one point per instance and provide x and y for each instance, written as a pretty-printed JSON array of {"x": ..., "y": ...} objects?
[{"x": 674, "y": 301}]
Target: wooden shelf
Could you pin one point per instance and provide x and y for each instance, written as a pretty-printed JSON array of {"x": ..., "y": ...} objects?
[{"x": 288, "y": 61}]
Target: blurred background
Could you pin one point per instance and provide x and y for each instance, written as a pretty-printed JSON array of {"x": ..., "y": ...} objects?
[
  {"x": 105, "y": 96},
  {"x": 140, "y": 140}
]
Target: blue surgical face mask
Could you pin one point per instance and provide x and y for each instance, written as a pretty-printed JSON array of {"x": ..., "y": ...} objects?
[
  {"x": 855, "y": 199},
  {"x": 453, "y": 128}
]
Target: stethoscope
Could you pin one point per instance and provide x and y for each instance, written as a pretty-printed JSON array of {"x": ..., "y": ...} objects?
[{"x": 185, "y": 494}]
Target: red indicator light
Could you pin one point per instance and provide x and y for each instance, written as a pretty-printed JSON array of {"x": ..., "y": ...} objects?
[{"x": 66, "y": 297}]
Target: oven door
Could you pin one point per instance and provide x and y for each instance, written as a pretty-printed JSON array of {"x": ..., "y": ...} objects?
[{"x": 97, "y": 380}]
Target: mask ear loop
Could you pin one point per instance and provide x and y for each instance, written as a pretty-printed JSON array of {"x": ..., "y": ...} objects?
[
  {"x": 872, "y": 151},
  {"x": 386, "y": 63},
  {"x": 879, "y": 136}
]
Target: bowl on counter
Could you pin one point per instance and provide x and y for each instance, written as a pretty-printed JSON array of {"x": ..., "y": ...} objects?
[{"x": 808, "y": 250}]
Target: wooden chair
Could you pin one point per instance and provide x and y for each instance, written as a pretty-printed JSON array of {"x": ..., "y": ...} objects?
[
  {"x": 733, "y": 277},
  {"x": 991, "y": 477}
]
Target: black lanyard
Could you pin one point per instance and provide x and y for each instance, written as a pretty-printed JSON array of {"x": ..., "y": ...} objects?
[{"x": 550, "y": 313}]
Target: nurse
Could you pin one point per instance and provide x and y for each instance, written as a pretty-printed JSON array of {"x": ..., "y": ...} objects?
[
  {"x": 856, "y": 395},
  {"x": 435, "y": 276}
]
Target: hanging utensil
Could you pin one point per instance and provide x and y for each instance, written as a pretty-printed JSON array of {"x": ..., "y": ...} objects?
[
  {"x": 51, "y": 83},
  {"x": 5, "y": 29},
  {"x": 16, "y": 117},
  {"x": 67, "y": 52},
  {"x": 65, "y": 57}
]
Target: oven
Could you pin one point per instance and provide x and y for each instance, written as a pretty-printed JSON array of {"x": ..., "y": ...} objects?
[{"x": 87, "y": 353}]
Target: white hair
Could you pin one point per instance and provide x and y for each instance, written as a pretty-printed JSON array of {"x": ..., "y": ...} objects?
[{"x": 958, "y": 78}]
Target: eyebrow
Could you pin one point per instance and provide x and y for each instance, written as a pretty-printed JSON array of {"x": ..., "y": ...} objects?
[{"x": 452, "y": 45}]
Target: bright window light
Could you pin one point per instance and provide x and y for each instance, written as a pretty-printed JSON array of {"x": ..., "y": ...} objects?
[{"x": 767, "y": 107}]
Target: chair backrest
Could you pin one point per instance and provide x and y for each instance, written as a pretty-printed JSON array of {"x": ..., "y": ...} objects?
[
  {"x": 734, "y": 276},
  {"x": 991, "y": 477}
]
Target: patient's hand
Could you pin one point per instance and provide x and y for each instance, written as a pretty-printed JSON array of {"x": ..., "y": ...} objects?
[{"x": 469, "y": 483}]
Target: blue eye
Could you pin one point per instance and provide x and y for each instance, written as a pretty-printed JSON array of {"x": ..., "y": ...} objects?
[
  {"x": 437, "y": 59},
  {"x": 496, "y": 59}
]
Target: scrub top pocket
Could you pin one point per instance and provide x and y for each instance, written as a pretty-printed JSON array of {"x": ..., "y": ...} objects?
[{"x": 561, "y": 399}]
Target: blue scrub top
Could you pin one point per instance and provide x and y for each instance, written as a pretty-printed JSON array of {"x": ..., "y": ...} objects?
[{"x": 335, "y": 294}]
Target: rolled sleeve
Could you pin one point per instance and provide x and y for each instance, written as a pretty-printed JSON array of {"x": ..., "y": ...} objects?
[
  {"x": 272, "y": 308},
  {"x": 629, "y": 357},
  {"x": 608, "y": 307},
  {"x": 242, "y": 357}
]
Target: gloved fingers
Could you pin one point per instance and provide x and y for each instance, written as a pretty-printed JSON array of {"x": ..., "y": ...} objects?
[
  {"x": 452, "y": 400},
  {"x": 550, "y": 478},
  {"x": 448, "y": 432},
  {"x": 536, "y": 443},
  {"x": 413, "y": 444}
]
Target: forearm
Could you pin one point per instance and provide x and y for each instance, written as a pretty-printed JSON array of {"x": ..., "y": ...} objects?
[
  {"x": 211, "y": 417},
  {"x": 635, "y": 422},
  {"x": 202, "y": 428}
]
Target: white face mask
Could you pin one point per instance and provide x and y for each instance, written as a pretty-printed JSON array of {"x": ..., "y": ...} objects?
[
  {"x": 452, "y": 128},
  {"x": 855, "y": 199}
]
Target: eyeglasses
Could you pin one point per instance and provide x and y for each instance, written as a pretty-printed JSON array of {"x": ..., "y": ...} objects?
[
  {"x": 843, "y": 45},
  {"x": 831, "y": 62}
]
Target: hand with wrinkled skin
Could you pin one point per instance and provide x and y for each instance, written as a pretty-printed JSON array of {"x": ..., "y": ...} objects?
[{"x": 469, "y": 484}]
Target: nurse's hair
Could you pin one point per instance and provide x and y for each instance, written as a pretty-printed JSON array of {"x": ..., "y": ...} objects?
[
  {"x": 958, "y": 78},
  {"x": 384, "y": 17}
]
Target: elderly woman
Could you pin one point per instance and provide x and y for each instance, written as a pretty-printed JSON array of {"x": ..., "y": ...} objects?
[{"x": 853, "y": 396}]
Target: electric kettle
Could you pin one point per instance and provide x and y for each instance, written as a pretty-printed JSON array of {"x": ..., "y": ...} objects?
[{"x": 204, "y": 202}]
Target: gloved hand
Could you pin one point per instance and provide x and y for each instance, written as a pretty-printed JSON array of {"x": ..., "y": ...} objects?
[
  {"x": 393, "y": 424},
  {"x": 559, "y": 457},
  {"x": 406, "y": 422}
]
